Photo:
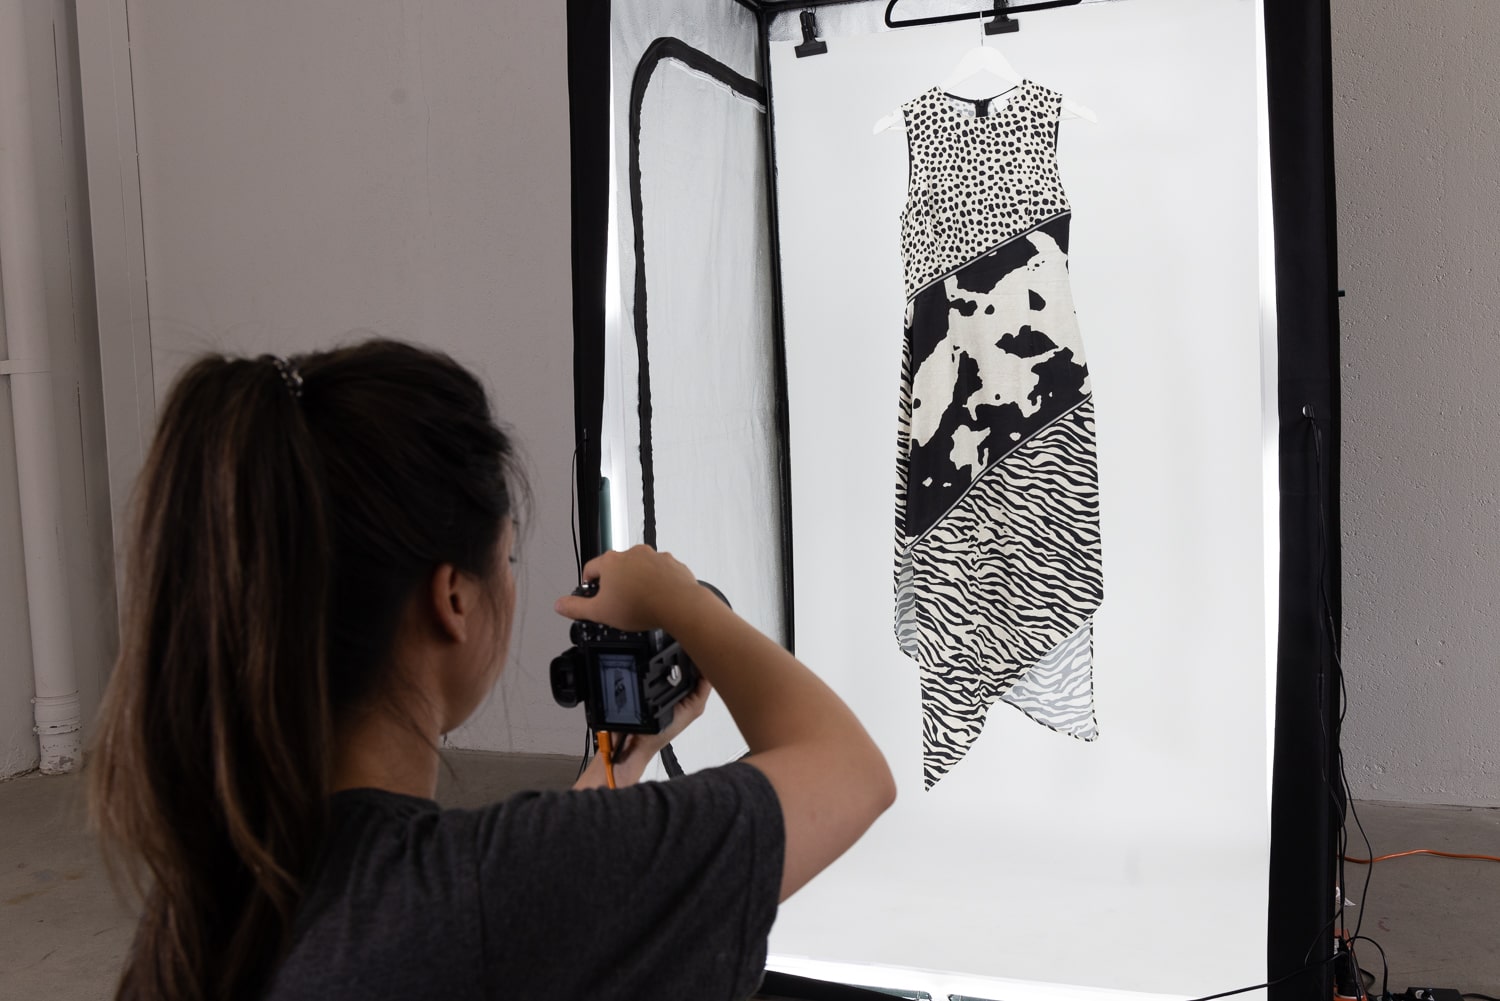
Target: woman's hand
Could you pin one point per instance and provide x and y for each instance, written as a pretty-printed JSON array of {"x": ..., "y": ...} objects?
[
  {"x": 649, "y": 745},
  {"x": 633, "y": 752},
  {"x": 638, "y": 589}
]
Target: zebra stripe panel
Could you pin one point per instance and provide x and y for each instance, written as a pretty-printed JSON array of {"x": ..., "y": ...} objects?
[
  {"x": 1059, "y": 691},
  {"x": 1008, "y": 576}
]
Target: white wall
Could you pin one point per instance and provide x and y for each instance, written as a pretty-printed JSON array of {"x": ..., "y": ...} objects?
[
  {"x": 310, "y": 169},
  {"x": 18, "y": 747},
  {"x": 1418, "y": 140},
  {"x": 67, "y": 263}
]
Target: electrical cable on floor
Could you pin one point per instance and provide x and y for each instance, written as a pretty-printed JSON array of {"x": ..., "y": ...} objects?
[
  {"x": 1364, "y": 894},
  {"x": 1385, "y": 969},
  {"x": 1361, "y": 991},
  {"x": 1270, "y": 983},
  {"x": 1420, "y": 851}
]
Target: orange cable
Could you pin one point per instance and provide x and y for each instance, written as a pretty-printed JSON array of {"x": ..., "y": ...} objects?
[
  {"x": 1417, "y": 851},
  {"x": 607, "y": 754}
]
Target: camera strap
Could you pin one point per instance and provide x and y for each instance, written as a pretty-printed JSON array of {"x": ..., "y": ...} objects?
[{"x": 670, "y": 763}]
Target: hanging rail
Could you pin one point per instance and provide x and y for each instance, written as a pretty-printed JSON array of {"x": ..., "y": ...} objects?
[{"x": 1002, "y": 10}]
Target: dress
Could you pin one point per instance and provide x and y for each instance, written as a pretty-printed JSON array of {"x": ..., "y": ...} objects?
[{"x": 998, "y": 560}]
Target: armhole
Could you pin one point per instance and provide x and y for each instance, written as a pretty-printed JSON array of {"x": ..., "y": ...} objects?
[
  {"x": 1056, "y": 100},
  {"x": 911, "y": 156}
]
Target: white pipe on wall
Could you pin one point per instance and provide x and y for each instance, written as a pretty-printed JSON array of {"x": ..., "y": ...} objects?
[{"x": 23, "y": 285}]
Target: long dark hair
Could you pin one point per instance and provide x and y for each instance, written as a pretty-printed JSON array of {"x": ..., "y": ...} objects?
[{"x": 280, "y": 529}]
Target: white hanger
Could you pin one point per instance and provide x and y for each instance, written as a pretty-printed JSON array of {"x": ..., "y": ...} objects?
[
  {"x": 981, "y": 59},
  {"x": 984, "y": 59}
]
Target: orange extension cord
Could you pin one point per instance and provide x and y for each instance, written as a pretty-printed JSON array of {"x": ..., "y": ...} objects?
[
  {"x": 608, "y": 754},
  {"x": 1418, "y": 851}
]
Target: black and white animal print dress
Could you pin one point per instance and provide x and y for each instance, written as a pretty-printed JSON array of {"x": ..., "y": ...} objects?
[{"x": 998, "y": 570}]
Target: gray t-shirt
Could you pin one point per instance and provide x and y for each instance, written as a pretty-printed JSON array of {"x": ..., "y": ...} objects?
[{"x": 662, "y": 890}]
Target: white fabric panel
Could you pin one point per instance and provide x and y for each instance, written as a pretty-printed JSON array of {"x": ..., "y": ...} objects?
[
  {"x": 711, "y": 355},
  {"x": 709, "y": 322},
  {"x": 728, "y": 33},
  {"x": 722, "y": 28},
  {"x": 1041, "y": 858}
]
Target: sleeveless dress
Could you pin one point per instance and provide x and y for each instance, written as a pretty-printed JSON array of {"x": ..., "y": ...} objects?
[{"x": 998, "y": 568}]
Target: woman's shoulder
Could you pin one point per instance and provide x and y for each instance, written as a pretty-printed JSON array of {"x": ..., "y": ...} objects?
[
  {"x": 696, "y": 860},
  {"x": 369, "y": 826},
  {"x": 392, "y": 882},
  {"x": 488, "y": 893},
  {"x": 544, "y": 820}
]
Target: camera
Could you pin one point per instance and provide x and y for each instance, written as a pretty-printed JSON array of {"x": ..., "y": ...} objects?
[{"x": 628, "y": 682}]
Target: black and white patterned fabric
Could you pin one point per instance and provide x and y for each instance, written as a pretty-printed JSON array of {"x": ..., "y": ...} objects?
[{"x": 998, "y": 559}]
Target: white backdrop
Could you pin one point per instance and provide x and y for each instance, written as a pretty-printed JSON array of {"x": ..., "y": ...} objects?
[
  {"x": 1139, "y": 862},
  {"x": 707, "y": 256}
]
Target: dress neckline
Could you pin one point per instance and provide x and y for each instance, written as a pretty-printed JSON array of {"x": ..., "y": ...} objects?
[{"x": 946, "y": 100}]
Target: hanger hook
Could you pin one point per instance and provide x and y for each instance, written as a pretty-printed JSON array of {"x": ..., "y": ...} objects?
[{"x": 1000, "y": 21}]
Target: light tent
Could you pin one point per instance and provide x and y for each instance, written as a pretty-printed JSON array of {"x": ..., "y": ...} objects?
[{"x": 739, "y": 315}]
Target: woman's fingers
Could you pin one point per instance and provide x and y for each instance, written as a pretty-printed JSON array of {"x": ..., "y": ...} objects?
[
  {"x": 572, "y": 606},
  {"x": 697, "y": 700},
  {"x": 635, "y": 588},
  {"x": 689, "y": 709},
  {"x": 648, "y": 745}
]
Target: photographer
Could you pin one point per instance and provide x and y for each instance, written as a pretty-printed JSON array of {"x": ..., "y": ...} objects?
[{"x": 320, "y": 586}]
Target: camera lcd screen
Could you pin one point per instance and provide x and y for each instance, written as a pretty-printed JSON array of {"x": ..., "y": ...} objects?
[{"x": 620, "y": 695}]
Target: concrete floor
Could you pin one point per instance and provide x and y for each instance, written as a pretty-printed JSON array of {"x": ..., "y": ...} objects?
[
  {"x": 1437, "y": 919},
  {"x": 63, "y": 933}
]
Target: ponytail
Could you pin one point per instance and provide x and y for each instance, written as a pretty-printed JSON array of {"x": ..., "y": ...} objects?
[{"x": 278, "y": 531}]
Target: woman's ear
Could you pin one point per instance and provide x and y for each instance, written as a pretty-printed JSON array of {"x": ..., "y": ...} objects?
[{"x": 452, "y": 596}]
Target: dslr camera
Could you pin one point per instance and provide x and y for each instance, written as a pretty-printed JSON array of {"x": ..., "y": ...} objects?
[{"x": 628, "y": 682}]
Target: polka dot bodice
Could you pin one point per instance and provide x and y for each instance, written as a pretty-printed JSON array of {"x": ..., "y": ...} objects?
[{"x": 977, "y": 179}]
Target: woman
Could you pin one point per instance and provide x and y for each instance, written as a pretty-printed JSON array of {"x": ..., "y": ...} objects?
[{"x": 320, "y": 586}]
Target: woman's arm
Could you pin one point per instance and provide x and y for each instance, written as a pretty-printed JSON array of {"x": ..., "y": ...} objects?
[{"x": 831, "y": 779}]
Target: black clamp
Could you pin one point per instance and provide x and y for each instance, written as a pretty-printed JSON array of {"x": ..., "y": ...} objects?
[
  {"x": 1002, "y": 22},
  {"x": 810, "y": 46}
]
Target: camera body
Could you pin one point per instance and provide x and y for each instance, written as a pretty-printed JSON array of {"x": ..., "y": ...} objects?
[{"x": 628, "y": 682}]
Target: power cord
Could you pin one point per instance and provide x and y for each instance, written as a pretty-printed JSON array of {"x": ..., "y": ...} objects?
[
  {"x": 1385, "y": 969},
  {"x": 1421, "y": 851},
  {"x": 1336, "y": 785},
  {"x": 1346, "y": 799},
  {"x": 1270, "y": 983},
  {"x": 574, "y": 517},
  {"x": 588, "y": 753}
]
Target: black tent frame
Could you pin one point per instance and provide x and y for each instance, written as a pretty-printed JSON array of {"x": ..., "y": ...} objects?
[{"x": 1306, "y": 797}]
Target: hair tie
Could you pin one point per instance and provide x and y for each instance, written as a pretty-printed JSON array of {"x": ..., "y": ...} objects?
[{"x": 289, "y": 375}]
